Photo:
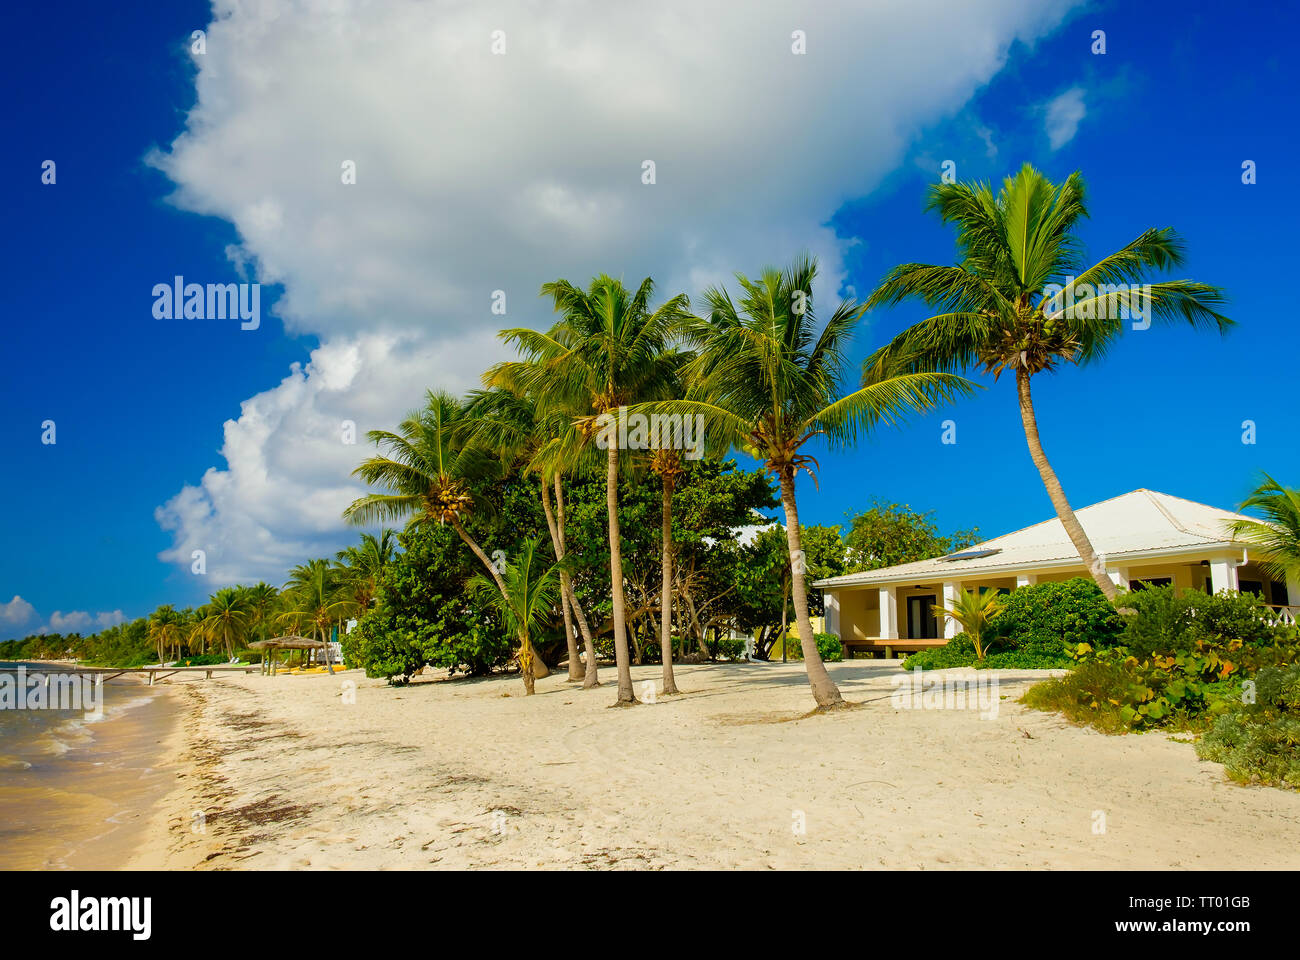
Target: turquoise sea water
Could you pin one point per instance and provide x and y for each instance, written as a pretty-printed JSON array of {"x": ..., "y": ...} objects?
[{"x": 70, "y": 781}]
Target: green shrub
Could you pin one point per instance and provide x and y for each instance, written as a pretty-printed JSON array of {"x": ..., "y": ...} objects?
[
  {"x": 422, "y": 615},
  {"x": 957, "y": 652},
  {"x": 1180, "y": 663},
  {"x": 1169, "y": 620},
  {"x": 1092, "y": 694},
  {"x": 960, "y": 652},
  {"x": 1041, "y": 619},
  {"x": 726, "y": 648},
  {"x": 829, "y": 647},
  {"x": 1260, "y": 742}
]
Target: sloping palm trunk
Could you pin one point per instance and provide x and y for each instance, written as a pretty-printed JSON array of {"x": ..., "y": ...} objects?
[
  {"x": 1057, "y": 494},
  {"x": 665, "y": 597},
  {"x": 575, "y": 666},
  {"x": 824, "y": 690},
  {"x": 625, "y": 694},
  {"x": 539, "y": 668},
  {"x": 590, "y": 677}
]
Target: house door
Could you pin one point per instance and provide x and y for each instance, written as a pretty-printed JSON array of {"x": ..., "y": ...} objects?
[{"x": 921, "y": 622}]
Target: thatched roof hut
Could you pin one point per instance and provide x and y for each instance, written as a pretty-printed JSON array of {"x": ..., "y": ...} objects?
[{"x": 292, "y": 643}]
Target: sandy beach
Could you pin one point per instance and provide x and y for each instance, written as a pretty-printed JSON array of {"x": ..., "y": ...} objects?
[{"x": 732, "y": 774}]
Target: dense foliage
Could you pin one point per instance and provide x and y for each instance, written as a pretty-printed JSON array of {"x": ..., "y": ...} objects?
[
  {"x": 888, "y": 534},
  {"x": 1258, "y": 739},
  {"x": 1180, "y": 661},
  {"x": 422, "y": 614},
  {"x": 1034, "y": 628}
]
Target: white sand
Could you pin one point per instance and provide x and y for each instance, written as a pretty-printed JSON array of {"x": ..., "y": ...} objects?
[{"x": 291, "y": 777}]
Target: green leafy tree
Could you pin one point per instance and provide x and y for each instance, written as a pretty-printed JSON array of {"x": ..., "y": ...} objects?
[
  {"x": 227, "y": 619},
  {"x": 165, "y": 630},
  {"x": 514, "y": 425},
  {"x": 262, "y": 602},
  {"x": 317, "y": 596},
  {"x": 422, "y": 614},
  {"x": 434, "y": 472},
  {"x": 362, "y": 566},
  {"x": 888, "y": 534}
]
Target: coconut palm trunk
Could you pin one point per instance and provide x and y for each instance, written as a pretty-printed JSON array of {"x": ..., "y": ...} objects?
[
  {"x": 539, "y": 668},
  {"x": 526, "y": 660},
  {"x": 666, "y": 594},
  {"x": 589, "y": 678},
  {"x": 575, "y": 666},
  {"x": 824, "y": 690},
  {"x": 618, "y": 604},
  {"x": 1056, "y": 492}
]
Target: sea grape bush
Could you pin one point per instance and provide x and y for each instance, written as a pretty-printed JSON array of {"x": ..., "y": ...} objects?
[
  {"x": 1179, "y": 663},
  {"x": 1259, "y": 742}
]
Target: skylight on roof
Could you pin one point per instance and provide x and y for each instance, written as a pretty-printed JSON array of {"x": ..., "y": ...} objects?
[{"x": 972, "y": 554}]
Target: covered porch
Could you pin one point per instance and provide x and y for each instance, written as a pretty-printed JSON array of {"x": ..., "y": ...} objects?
[{"x": 900, "y": 616}]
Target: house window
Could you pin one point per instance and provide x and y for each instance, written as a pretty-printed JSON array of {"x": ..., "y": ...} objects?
[
  {"x": 1251, "y": 586},
  {"x": 1150, "y": 582},
  {"x": 1280, "y": 597}
]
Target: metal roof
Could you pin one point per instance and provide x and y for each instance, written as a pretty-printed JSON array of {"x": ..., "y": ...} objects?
[{"x": 1141, "y": 522}]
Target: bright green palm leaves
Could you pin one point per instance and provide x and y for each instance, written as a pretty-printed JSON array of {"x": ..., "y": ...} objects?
[
  {"x": 1277, "y": 535},
  {"x": 975, "y": 612},
  {"x": 609, "y": 349},
  {"x": 768, "y": 378},
  {"x": 531, "y": 592},
  {"x": 1022, "y": 299}
]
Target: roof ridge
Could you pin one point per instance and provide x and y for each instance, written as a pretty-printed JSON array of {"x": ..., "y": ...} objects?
[
  {"x": 1056, "y": 519},
  {"x": 1164, "y": 511}
]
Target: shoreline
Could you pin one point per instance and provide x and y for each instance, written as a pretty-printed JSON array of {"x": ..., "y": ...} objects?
[
  {"x": 165, "y": 840},
  {"x": 82, "y": 790},
  {"x": 470, "y": 774}
]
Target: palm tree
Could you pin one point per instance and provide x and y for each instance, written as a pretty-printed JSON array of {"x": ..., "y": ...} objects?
[
  {"x": 511, "y": 424},
  {"x": 227, "y": 618},
  {"x": 975, "y": 612},
  {"x": 434, "y": 474},
  {"x": 165, "y": 630},
  {"x": 363, "y": 566},
  {"x": 262, "y": 600},
  {"x": 1278, "y": 535},
  {"x": 316, "y": 594},
  {"x": 526, "y": 422},
  {"x": 528, "y": 599},
  {"x": 1022, "y": 300},
  {"x": 768, "y": 381},
  {"x": 668, "y": 465},
  {"x": 609, "y": 350}
]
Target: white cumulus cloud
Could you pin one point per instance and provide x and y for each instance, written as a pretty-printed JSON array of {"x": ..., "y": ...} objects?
[
  {"x": 16, "y": 612},
  {"x": 478, "y": 172},
  {"x": 1064, "y": 114},
  {"x": 80, "y": 621}
]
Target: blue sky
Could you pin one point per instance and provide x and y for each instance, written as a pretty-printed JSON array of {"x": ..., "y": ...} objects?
[{"x": 1169, "y": 113}]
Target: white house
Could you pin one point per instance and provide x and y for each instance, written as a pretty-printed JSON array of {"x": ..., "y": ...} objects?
[{"x": 1140, "y": 537}]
